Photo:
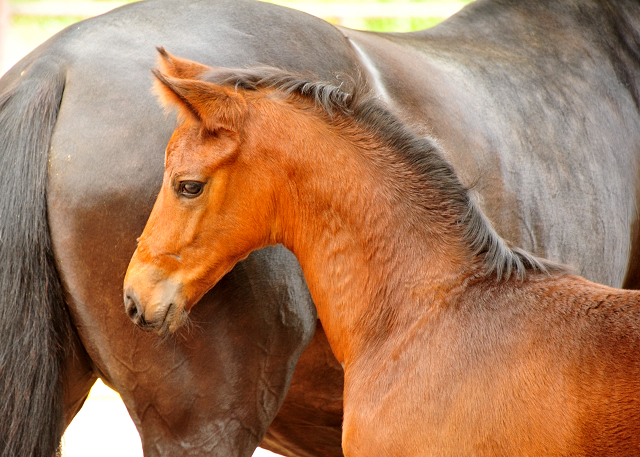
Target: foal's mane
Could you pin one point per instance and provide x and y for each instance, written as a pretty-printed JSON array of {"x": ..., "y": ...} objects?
[{"x": 352, "y": 99}]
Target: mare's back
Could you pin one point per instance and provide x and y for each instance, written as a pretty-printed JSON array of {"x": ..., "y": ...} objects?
[{"x": 536, "y": 106}]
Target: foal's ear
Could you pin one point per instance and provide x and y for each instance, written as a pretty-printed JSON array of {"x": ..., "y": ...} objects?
[
  {"x": 216, "y": 107},
  {"x": 176, "y": 67}
]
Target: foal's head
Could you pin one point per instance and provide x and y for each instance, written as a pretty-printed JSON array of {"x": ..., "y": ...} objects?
[{"x": 220, "y": 183}]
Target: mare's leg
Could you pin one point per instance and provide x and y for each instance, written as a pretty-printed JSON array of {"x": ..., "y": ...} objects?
[
  {"x": 632, "y": 277},
  {"x": 309, "y": 422},
  {"x": 78, "y": 379}
]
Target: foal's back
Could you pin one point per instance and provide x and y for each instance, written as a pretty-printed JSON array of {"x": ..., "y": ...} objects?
[
  {"x": 595, "y": 336},
  {"x": 587, "y": 336},
  {"x": 545, "y": 366}
]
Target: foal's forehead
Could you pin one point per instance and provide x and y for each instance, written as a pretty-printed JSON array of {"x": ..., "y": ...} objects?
[
  {"x": 184, "y": 139},
  {"x": 191, "y": 147}
]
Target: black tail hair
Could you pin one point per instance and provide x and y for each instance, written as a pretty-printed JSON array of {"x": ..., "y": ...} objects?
[{"x": 34, "y": 323}]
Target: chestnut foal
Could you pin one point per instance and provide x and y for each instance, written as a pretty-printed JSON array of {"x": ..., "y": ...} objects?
[{"x": 452, "y": 342}]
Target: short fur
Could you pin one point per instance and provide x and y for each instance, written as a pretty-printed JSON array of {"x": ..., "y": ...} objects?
[{"x": 421, "y": 154}]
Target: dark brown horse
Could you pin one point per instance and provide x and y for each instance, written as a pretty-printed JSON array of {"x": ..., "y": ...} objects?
[
  {"x": 534, "y": 102},
  {"x": 452, "y": 343}
]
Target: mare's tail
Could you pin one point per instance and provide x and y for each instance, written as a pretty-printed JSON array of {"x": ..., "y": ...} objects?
[{"x": 34, "y": 324}]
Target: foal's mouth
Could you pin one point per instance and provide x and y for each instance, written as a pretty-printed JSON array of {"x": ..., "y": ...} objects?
[
  {"x": 175, "y": 317},
  {"x": 171, "y": 321}
]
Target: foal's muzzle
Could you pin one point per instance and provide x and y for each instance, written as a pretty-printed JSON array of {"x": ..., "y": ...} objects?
[{"x": 134, "y": 310}]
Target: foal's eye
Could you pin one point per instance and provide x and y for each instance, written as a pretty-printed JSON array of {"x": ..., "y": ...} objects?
[{"x": 190, "y": 189}]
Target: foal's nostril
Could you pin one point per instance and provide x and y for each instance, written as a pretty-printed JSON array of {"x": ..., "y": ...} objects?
[
  {"x": 132, "y": 306},
  {"x": 134, "y": 310}
]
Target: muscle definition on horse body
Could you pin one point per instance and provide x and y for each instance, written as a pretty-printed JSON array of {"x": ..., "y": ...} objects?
[
  {"x": 452, "y": 342},
  {"x": 534, "y": 103}
]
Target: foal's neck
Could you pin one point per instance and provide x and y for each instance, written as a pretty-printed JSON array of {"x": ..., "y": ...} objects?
[{"x": 376, "y": 243}]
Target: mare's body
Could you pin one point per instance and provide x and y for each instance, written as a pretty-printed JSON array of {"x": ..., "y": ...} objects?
[
  {"x": 478, "y": 83},
  {"x": 452, "y": 343}
]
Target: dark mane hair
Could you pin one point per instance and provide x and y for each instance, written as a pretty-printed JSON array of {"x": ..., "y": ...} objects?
[
  {"x": 352, "y": 99},
  {"x": 339, "y": 96}
]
